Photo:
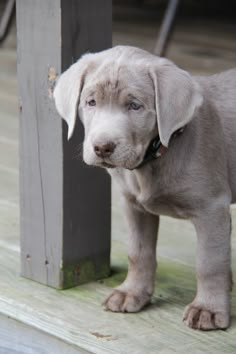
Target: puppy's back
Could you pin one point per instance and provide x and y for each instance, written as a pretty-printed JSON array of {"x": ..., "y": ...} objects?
[{"x": 220, "y": 92}]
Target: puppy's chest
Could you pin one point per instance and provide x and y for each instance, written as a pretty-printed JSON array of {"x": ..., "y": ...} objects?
[
  {"x": 155, "y": 195},
  {"x": 161, "y": 201}
]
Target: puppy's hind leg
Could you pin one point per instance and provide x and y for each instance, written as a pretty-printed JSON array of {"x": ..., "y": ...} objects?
[{"x": 211, "y": 307}]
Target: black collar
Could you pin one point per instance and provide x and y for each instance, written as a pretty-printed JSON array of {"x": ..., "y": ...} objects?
[{"x": 156, "y": 149}]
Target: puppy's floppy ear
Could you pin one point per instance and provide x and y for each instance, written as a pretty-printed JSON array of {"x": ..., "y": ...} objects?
[
  {"x": 177, "y": 95},
  {"x": 68, "y": 89}
]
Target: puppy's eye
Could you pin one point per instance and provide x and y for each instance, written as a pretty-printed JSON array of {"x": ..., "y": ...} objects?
[
  {"x": 134, "y": 106},
  {"x": 91, "y": 103}
]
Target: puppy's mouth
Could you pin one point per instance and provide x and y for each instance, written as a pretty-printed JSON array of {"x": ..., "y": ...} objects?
[
  {"x": 104, "y": 164},
  {"x": 128, "y": 164},
  {"x": 111, "y": 165},
  {"x": 107, "y": 165}
]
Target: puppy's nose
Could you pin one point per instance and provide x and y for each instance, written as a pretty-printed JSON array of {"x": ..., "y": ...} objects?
[{"x": 104, "y": 150}]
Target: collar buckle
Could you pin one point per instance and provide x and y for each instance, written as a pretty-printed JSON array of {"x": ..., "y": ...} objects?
[{"x": 156, "y": 149}]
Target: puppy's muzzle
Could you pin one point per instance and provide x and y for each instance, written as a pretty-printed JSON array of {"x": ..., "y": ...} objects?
[{"x": 104, "y": 150}]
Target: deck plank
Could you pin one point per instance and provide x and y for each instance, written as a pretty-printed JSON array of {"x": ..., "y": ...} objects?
[
  {"x": 76, "y": 315},
  {"x": 17, "y": 338}
]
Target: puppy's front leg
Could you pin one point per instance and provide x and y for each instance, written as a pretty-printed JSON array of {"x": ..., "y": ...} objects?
[
  {"x": 136, "y": 291},
  {"x": 211, "y": 306}
]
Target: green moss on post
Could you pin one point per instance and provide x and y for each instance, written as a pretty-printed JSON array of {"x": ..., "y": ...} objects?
[{"x": 85, "y": 271}]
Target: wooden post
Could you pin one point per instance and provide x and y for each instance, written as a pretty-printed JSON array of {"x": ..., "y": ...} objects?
[{"x": 65, "y": 206}]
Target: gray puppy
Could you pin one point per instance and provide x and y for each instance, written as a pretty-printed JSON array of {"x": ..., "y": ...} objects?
[{"x": 169, "y": 140}]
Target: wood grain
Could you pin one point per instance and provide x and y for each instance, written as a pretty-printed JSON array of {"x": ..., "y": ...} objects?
[
  {"x": 76, "y": 316},
  {"x": 17, "y": 338},
  {"x": 65, "y": 207}
]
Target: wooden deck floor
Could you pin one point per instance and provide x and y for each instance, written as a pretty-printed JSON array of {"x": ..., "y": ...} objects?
[{"x": 37, "y": 319}]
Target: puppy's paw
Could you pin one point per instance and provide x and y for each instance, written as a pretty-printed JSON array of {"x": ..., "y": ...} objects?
[
  {"x": 121, "y": 301},
  {"x": 201, "y": 318}
]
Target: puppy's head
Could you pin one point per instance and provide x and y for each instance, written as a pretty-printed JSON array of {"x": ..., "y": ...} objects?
[{"x": 125, "y": 97}]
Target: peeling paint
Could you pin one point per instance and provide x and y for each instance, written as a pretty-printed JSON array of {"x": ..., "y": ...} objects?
[{"x": 52, "y": 78}]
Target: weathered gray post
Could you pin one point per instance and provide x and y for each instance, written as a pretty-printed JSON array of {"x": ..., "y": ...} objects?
[{"x": 65, "y": 207}]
